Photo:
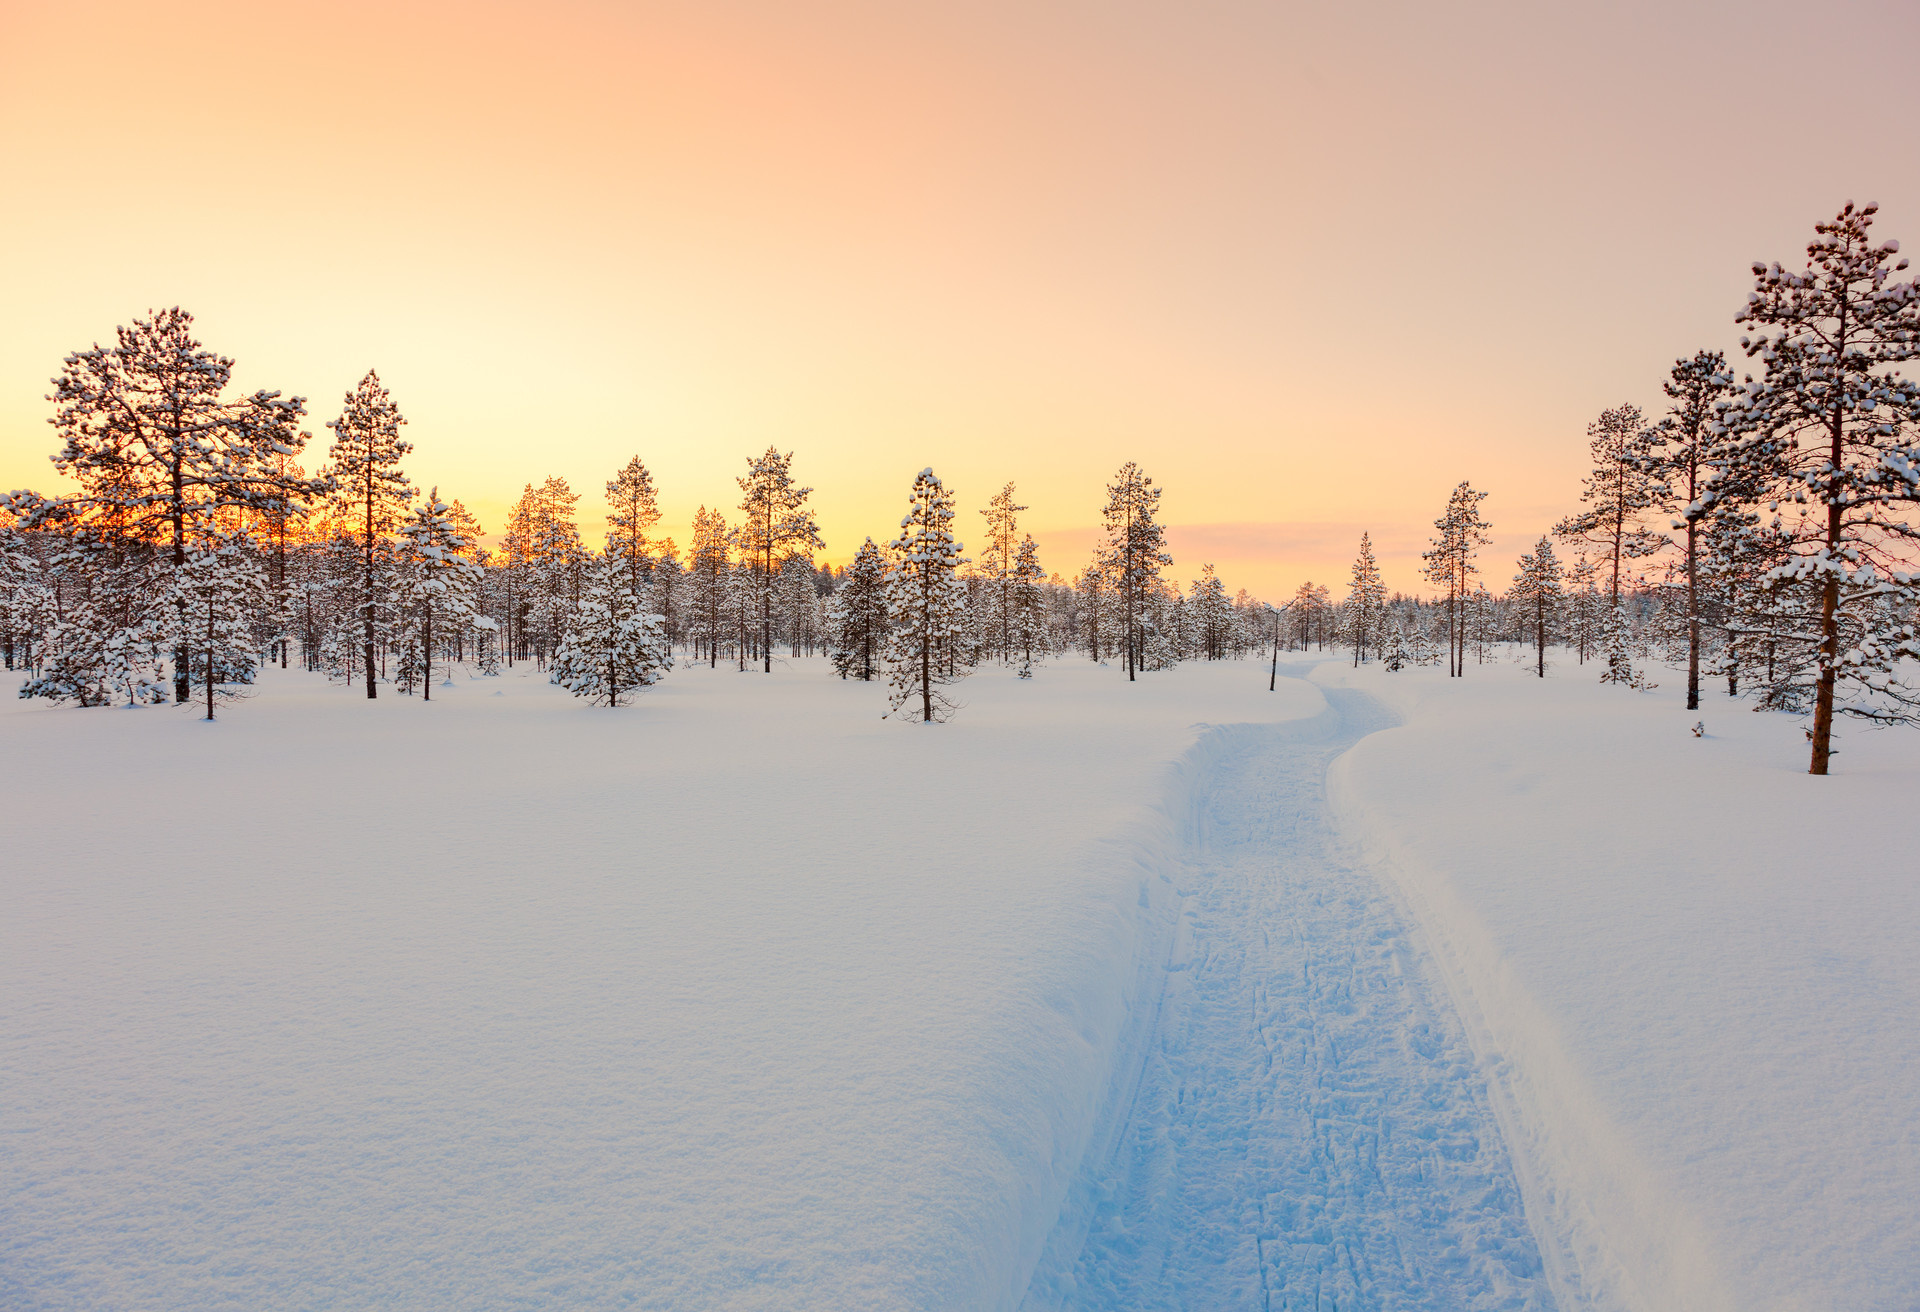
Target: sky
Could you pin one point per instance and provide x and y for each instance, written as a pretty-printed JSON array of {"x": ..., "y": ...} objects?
[{"x": 1309, "y": 265}]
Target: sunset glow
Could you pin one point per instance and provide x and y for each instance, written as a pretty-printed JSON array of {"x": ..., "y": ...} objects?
[{"x": 1309, "y": 265}]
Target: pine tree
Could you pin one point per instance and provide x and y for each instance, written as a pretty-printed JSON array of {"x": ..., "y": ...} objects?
[
  {"x": 96, "y": 655},
  {"x": 369, "y": 488},
  {"x": 709, "y": 576},
  {"x": 633, "y": 508},
  {"x": 1398, "y": 656},
  {"x": 1209, "y": 612},
  {"x": 612, "y": 646},
  {"x": 1029, "y": 604},
  {"x": 925, "y": 601},
  {"x": 1537, "y": 590},
  {"x": 857, "y": 614},
  {"x": 997, "y": 563},
  {"x": 776, "y": 523},
  {"x": 1680, "y": 451},
  {"x": 1134, "y": 554},
  {"x": 1618, "y": 645},
  {"x": 1450, "y": 565},
  {"x": 1618, "y": 493},
  {"x": 667, "y": 598},
  {"x": 1831, "y": 428},
  {"x": 1366, "y": 595},
  {"x": 220, "y": 588},
  {"x": 441, "y": 580},
  {"x": 158, "y": 453}
]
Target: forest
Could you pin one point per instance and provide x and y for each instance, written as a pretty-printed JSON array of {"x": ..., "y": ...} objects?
[{"x": 1749, "y": 532}]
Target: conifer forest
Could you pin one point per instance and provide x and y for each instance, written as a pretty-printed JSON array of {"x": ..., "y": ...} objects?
[{"x": 1752, "y": 525}]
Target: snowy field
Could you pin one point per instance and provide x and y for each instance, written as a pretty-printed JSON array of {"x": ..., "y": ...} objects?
[
  {"x": 744, "y": 998},
  {"x": 1692, "y": 967},
  {"x": 741, "y": 997}
]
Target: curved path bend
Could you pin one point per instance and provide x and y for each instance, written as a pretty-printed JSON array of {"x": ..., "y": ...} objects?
[{"x": 1310, "y": 1129}]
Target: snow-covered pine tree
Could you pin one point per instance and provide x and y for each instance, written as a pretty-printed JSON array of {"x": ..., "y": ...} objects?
[
  {"x": 1680, "y": 451},
  {"x": 219, "y": 591},
  {"x": 667, "y": 596},
  {"x": 1833, "y": 430},
  {"x": 368, "y": 488},
  {"x": 1619, "y": 493},
  {"x": 558, "y": 563},
  {"x": 857, "y": 614},
  {"x": 1398, "y": 655},
  {"x": 797, "y": 602},
  {"x": 1618, "y": 644},
  {"x": 441, "y": 580},
  {"x": 159, "y": 454},
  {"x": 612, "y": 645},
  {"x": 632, "y": 509},
  {"x": 1029, "y": 604},
  {"x": 1133, "y": 554},
  {"x": 1450, "y": 565},
  {"x": 925, "y": 601},
  {"x": 775, "y": 524},
  {"x": 1095, "y": 591},
  {"x": 101, "y": 651},
  {"x": 1210, "y": 612},
  {"x": 996, "y": 564},
  {"x": 1366, "y": 597},
  {"x": 708, "y": 578},
  {"x": 1537, "y": 590}
]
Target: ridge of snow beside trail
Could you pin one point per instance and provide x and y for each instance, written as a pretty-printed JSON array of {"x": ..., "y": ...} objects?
[
  {"x": 1310, "y": 1129},
  {"x": 737, "y": 998},
  {"x": 1687, "y": 965}
]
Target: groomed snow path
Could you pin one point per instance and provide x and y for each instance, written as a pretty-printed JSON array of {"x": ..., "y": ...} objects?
[{"x": 1310, "y": 1130}]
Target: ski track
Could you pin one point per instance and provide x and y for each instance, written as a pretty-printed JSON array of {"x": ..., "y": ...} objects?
[{"x": 1311, "y": 1130}]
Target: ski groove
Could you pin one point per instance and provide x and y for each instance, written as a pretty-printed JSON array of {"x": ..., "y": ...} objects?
[{"x": 1311, "y": 1132}]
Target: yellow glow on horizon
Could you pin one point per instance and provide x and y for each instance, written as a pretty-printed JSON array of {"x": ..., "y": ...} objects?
[{"x": 1310, "y": 267}]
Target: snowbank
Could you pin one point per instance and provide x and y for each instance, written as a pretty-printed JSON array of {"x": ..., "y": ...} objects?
[
  {"x": 1690, "y": 966},
  {"x": 739, "y": 998}
]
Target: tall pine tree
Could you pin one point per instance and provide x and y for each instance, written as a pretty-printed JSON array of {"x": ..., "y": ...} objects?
[{"x": 369, "y": 490}]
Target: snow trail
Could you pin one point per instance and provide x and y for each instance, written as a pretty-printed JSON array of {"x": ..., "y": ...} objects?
[{"x": 1310, "y": 1129}]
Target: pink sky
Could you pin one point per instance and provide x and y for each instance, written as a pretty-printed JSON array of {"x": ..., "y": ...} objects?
[{"x": 1309, "y": 265}]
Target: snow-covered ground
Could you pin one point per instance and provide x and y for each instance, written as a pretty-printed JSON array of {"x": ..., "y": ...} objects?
[
  {"x": 740, "y": 997},
  {"x": 744, "y": 998},
  {"x": 1693, "y": 969}
]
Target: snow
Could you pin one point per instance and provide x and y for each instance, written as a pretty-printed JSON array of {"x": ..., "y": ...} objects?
[
  {"x": 1100, "y": 996},
  {"x": 1688, "y": 964},
  {"x": 737, "y": 998},
  {"x": 1309, "y": 1130}
]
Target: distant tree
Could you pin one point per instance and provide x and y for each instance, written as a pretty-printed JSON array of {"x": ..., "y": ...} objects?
[
  {"x": 442, "y": 580},
  {"x": 1449, "y": 564},
  {"x": 709, "y": 576},
  {"x": 612, "y": 645},
  {"x": 857, "y": 614},
  {"x": 1680, "y": 452},
  {"x": 1366, "y": 601},
  {"x": 1618, "y": 493},
  {"x": 1133, "y": 554},
  {"x": 1029, "y": 604},
  {"x": 997, "y": 563},
  {"x": 1212, "y": 614},
  {"x": 220, "y": 589},
  {"x": 1537, "y": 590},
  {"x": 369, "y": 490},
  {"x": 775, "y": 523},
  {"x": 925, "y": 601},
  {"x": 1830, "y": 428},
  {"x": 632, "y": 509}
]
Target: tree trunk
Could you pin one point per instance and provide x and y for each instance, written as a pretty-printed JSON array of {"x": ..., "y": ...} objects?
[{"x": 426, "y": 654}]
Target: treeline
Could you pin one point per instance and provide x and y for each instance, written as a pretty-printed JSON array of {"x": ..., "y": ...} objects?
[
  {"x": 199, "y": 548},
  {"x": 1759, "y": 530}
]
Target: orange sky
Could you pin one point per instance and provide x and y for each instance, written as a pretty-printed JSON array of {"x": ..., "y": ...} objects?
[{"x": 1309, "y": 264}]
